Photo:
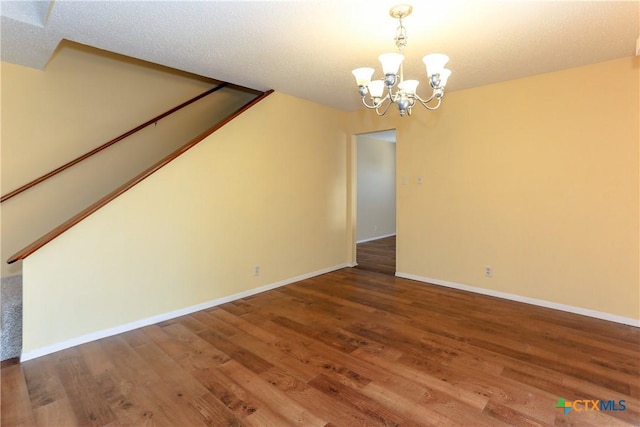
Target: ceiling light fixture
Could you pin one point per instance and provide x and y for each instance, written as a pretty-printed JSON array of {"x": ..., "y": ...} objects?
[{"x": 405, "y": 96}]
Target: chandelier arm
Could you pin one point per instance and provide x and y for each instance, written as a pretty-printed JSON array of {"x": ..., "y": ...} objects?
[
  {"x": 385, "y": 110},
  {"x": 374, "y": 105},
  {"x": 425, "y": 103}
]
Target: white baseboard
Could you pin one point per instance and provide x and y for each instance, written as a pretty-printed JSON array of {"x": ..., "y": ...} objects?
[
  {"x": 533, "y": 301},
  {"x": 375, "y": 238},
  {"x": 167, "y": 316}
]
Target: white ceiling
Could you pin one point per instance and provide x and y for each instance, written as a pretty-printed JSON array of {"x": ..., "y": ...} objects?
[{"x": 308, "y": 48}]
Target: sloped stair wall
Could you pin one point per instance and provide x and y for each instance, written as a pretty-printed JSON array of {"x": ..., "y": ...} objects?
[{"x": 267, "y": 189}]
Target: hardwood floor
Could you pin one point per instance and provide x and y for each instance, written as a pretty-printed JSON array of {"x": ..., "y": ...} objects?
[
  {"x": 377, "y": 255},
  {"x": 351, "y": 347}
]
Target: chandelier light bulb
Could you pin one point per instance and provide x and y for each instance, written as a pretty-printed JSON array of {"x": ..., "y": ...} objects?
[
  {"x": 391, "y": 63},
  {"x": 376, "y": 88},
  {"x": 444, "y": 76},
  {"x": 435, "y": 63},
  {"x": 363, "y": 75},
  {"x": 409, "y": 86}
]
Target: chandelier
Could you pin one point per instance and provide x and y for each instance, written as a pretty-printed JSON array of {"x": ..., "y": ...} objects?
[{"x": 404, "y": 96}]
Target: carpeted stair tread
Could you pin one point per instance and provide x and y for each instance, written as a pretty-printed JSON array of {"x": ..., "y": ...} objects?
[{"x": 11, "y": 317}]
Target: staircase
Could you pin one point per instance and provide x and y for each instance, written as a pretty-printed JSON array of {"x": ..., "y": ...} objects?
[{"x": 11, "y": 322}]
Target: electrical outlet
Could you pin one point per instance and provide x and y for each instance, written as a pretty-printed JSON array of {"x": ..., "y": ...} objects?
[
  {"x": 256, "y": 270},
  {"x": 488, "y": 271}
]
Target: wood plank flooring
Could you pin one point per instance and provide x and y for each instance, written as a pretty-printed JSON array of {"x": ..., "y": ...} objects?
[
  {"x": 377, "y": 255},
  {"x": 352, "y": 347}
]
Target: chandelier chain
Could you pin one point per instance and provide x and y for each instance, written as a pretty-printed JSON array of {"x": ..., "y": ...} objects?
[{"x": 401, "y": 36}]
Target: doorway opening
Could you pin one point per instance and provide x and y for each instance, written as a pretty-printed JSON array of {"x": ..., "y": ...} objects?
[{"x": 376, "y": 201}]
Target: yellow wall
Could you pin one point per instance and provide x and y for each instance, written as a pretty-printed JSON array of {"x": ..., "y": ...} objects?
[
  {"x": 268, "y": 189},
  {"x": 83, "y": 99},
  {"x": 537, "y": 177}
]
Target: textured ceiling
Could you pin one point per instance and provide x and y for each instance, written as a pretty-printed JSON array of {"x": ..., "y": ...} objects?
[{"x": 308, "y": 48}]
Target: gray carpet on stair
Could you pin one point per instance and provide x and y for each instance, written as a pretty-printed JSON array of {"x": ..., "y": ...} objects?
[{"x": 11, "y": 309}]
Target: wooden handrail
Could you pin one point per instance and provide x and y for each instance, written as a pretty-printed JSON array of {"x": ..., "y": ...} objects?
[
  {"x": 109, "y": 144},
  {"x": 28, "y": 250}
]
